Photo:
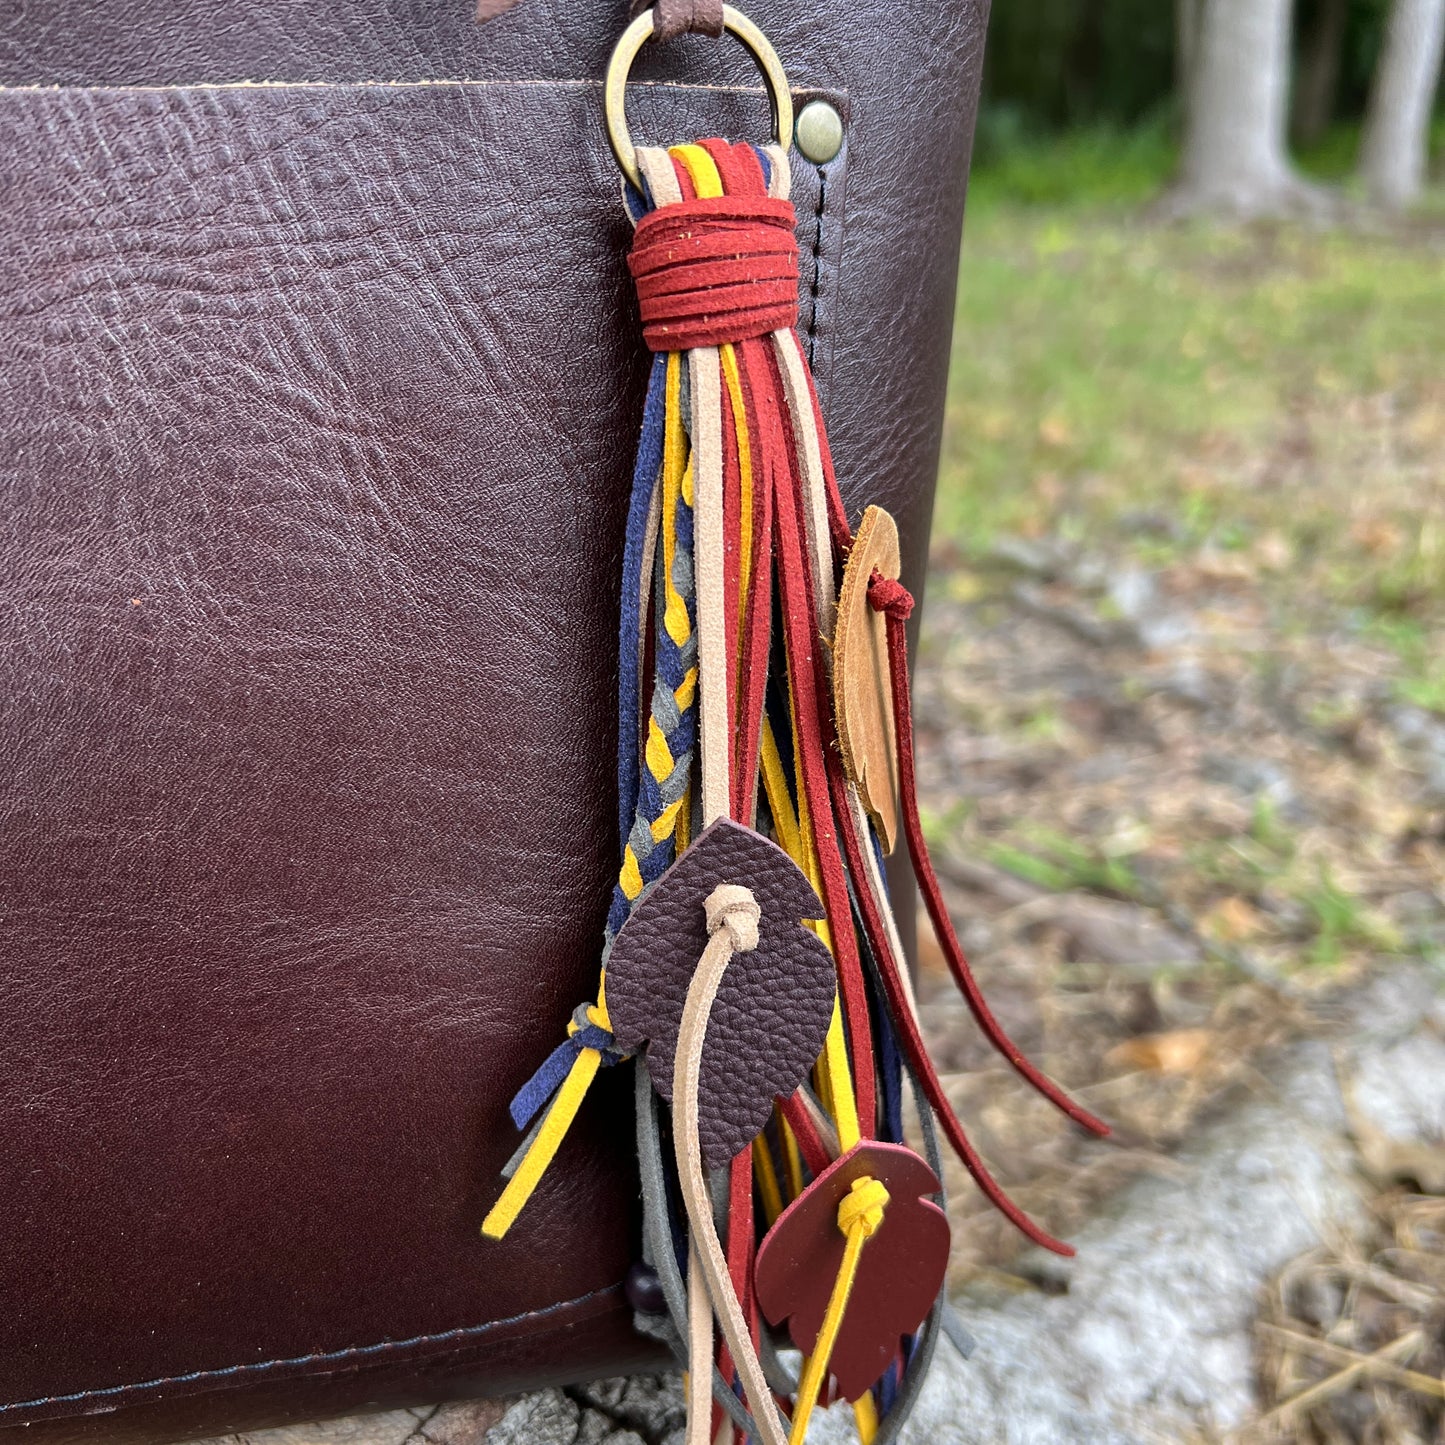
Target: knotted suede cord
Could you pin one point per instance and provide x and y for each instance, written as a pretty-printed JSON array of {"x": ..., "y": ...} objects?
[
  {"x": 891, "y": 598},
  {"x": 732, "y": 921}
]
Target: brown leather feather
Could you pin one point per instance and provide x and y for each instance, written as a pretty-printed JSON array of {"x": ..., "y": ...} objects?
[{"x": 773, "y": 1007}]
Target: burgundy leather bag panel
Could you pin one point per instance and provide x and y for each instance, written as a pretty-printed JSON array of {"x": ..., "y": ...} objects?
[{"x": 317, "y": 406}]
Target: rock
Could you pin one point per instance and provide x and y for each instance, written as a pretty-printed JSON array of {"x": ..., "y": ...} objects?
[
  {"x": 1253, "y": 777},
  {"x": 1152, "y": 1336},
  {"x": 1134, "y": 594},
  {"x": 550, "y": 1418},
  {"x": 463, "y": 1422},
  {"x": 647, "y": 1410},
  {"x": 1147, "y": 1334},
  {"x": 1047, "y": 559},
  {"x": 650, "y": 1404},
  {"x": 1186, "y": 679},
  {"x": 391, "y": 1428},
  {"x": 1424, "y": 734}
]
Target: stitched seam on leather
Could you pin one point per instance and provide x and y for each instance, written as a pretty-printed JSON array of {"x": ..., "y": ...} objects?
[
  {"x": 459, "y": 82},
  {"x": 230, "y": 1372},
  {"x": 817, "y": 261}
]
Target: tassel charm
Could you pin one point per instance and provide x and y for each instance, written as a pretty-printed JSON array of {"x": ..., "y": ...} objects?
[{"x": 750, "y": 961}]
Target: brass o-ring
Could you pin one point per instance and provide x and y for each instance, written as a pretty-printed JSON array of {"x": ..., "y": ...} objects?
[{"x": 637, "y": 34}]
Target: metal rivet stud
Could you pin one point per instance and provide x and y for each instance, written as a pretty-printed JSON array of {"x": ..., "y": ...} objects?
[{"x": 818, "y": 132}]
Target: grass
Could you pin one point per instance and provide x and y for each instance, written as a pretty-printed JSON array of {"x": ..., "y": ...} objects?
[
  {"x": 1339, "y": 921},
  {"x": 1275, "y": 392},
  {"x": 1421, "y": 679},
  {"x": 1254, "y": 416},
  {"x": 1097, "y": 167}
]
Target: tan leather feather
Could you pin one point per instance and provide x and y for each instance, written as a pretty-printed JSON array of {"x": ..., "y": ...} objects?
[{"x": 862, "y": 690}]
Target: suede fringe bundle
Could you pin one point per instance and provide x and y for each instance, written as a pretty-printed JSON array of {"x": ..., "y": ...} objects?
[{"x": 737, "y": 538}]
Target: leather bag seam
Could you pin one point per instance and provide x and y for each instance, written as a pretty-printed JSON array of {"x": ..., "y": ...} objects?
[
  {"x": 225, "y": 1373},
  {"x": 830, "y": 210},
  {"x": 454, "y": 82},
  {"x": 816, "y": 289}
]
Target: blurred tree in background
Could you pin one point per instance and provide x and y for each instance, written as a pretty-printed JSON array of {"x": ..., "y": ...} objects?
[
  {"x": 1235, "y": 83},
  {"x": 1052, "y": 64},
  {"x": 1394, "y": 151}
]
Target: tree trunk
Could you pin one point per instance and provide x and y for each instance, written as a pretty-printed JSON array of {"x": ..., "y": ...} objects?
[
  {"x": 1318, "y": 80},
  {"x": 1393, "y": 151},
  {"x": 1234, "y": 141}
]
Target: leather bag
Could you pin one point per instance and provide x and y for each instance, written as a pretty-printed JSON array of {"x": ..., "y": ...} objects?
[{"x": 319, "y": 379}]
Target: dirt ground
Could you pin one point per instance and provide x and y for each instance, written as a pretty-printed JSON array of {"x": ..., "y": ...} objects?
[{"x": 1178, "y": 806}]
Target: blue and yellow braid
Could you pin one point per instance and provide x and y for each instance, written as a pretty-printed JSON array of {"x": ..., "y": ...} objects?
[{"x": 659, "y": 826}]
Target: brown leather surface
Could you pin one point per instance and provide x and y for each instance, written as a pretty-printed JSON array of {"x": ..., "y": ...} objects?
[
  {"x": 774, "y": 1004},
  {"x": 317, "y": 404}
]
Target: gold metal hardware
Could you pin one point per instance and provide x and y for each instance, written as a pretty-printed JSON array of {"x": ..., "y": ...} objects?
[{"x": 614, "y": 90}]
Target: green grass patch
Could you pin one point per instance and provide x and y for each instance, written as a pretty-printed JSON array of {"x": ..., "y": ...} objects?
[
  {"x": 1059, "y": 862},
  {"x": 1191, "y": 384},
  {"x": 1027, "y": 866},
  {"x": 1427, "y": 691},
  {"x": 1421, "y": 651},
  {"x": 1342, "y": 922},
  {"x": 1098, "y": 167}
]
